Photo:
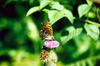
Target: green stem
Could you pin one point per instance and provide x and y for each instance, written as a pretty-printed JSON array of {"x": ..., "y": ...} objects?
[
  {"x": 98, "y": 15},
  {"x": 91, "y": 22}
]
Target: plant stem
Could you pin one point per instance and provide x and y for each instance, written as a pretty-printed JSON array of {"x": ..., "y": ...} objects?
[
  {"x": 91, "y": 22},
  {"x": 98, "y": 15}
]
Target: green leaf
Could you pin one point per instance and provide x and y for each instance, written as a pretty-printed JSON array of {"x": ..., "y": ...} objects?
[
  {"x": 32, "y": 10},
  {"x": 69, "y": 15},
  {"x": 92, "y": 31},
  {"x": 54, "y": 15},
  {"x": 90, "y": 60},
  {"x": 56, "y": 5},
  {"x": 83, "y": 9},
  {"x": 90, "y": 2},
  {"x": 83, "y": 43},
  {"x": 44, "y": 3},
  {"x": 31, "y": 1},
  {"x": 72, "y": 33}
]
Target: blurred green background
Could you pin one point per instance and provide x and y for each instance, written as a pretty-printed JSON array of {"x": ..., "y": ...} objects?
[{"x": 20, "y": 43}]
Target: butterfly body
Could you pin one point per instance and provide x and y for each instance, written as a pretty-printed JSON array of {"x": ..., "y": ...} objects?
[{"x": 46, "y": 31}]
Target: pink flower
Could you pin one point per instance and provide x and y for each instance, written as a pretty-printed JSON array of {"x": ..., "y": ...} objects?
[{"x": 51, "y": 44}]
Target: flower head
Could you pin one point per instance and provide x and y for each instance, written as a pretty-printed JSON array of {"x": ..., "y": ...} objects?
[
  {"x": 44, "y": 55},
  {"x": 51, "y": 44}
]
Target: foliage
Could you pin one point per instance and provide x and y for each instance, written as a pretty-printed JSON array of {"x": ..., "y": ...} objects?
[{"x": 76, "y": 25}]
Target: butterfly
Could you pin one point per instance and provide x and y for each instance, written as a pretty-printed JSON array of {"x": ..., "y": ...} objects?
[{"x": 46, "y": 32}]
